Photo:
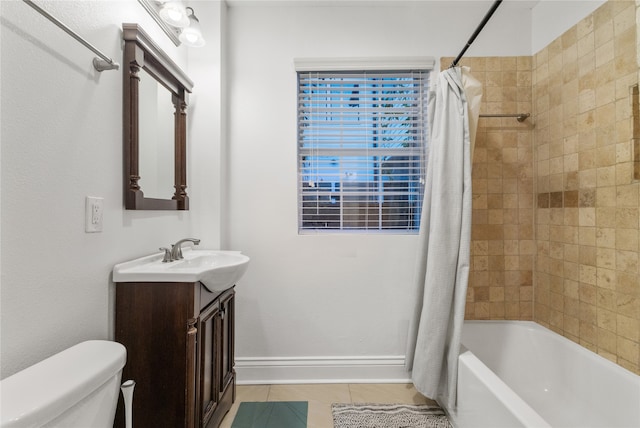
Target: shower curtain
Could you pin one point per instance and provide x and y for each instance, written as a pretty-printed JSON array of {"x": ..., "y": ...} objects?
[{"x": 442, "y": 267}]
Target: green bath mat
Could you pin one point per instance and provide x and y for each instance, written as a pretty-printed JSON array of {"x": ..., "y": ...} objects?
[{"x": 271, "y": 414}]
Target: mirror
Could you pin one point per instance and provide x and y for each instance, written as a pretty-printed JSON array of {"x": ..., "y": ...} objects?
[
  {"x": 155, "y": 138},
  {"x": 155, "y": 102}
]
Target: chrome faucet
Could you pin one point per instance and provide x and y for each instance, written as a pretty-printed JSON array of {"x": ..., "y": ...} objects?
[{"x": 176, "y": 249}]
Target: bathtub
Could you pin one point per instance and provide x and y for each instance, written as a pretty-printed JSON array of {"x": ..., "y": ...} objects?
[{"x": 520, "y": 374}]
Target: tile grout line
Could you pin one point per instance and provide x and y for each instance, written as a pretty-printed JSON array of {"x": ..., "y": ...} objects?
[{"x": 268, "y": 392}]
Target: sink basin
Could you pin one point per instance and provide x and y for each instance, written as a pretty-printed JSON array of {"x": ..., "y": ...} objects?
[{"x": 216, "y": 269}]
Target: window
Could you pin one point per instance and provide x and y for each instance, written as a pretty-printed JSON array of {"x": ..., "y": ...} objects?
[{"x": 361, "y": 149}]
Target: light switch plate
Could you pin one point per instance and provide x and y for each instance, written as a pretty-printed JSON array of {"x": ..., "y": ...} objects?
[{"x": 93, "y": 211}]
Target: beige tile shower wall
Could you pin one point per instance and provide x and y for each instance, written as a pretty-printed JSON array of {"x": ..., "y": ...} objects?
[
  {"x": 636, "y": 105},
  {"x": 502, "y": 241},
  {"x": 587, "y": 286}
]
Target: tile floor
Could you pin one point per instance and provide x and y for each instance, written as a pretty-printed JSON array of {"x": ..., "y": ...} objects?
[{"x": 321, "y": 396}]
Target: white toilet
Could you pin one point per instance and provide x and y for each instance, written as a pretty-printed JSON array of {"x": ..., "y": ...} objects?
[{"x": 77, "y": 387}]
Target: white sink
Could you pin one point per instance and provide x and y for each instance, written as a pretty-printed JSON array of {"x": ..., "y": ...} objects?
[{"x": 217, "y": 270}]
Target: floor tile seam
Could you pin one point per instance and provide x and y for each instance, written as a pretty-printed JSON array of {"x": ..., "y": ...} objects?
[{"x": 268, "y": 393}]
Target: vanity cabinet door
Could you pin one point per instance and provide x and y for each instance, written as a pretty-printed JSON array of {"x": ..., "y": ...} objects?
[
  {"x": 227, "y": 308},
  {"x": 217, "y": 374},
  {"x": 209, "y": 364}
]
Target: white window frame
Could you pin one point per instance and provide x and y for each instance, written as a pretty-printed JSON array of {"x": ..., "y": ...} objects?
[{"x": 336, "y": 66}]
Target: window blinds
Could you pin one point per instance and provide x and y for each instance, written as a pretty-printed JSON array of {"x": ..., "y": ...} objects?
[{"x": 361, "y": 149}]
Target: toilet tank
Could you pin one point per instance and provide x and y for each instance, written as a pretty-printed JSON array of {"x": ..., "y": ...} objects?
[{"x": 77, "y": 387}]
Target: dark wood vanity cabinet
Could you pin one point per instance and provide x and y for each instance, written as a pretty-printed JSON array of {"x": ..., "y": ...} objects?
[{"x": 180, "y": 351}]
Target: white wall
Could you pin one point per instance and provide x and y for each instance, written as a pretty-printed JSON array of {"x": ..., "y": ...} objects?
[
  {"x": 207, "y": 127},
  {"x": 551, "y": 18},
  {"x": 306, "y": 300},
  {"x": 61, "y": 141}
]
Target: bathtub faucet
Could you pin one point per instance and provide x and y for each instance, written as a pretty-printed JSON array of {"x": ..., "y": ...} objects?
[{"x": 176, "y": 249}]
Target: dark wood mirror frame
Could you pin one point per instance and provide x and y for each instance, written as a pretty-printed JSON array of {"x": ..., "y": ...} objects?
[{"x": 141, "y": 53}]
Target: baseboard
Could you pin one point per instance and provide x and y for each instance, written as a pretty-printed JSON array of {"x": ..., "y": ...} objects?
[{"x": 291, "y": 370}]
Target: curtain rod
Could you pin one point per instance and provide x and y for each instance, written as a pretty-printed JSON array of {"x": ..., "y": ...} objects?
[
  {"x": 100, "y": 64},
  {"x": 478, "y": 30},
  {"x": 521, "y": 117}
]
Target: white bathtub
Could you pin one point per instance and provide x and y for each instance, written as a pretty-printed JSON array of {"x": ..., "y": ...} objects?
[{"x": 520, "y": 374}]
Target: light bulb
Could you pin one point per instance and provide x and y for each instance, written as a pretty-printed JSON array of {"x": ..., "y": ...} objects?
[
  {"x": 191, "y": 35},
  {"x": 174, "y": 14}
]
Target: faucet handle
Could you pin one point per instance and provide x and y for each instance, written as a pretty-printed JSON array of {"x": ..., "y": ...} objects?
[{"x": 167, "y": 255}]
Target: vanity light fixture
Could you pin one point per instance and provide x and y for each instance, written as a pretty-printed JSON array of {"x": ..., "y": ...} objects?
[
  {"x": 191, "y": 35},
  {"x": 183, "y": 19}
]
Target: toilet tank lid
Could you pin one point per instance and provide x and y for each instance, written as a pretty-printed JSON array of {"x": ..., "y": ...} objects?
[{"x": 45, "y": 390}]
